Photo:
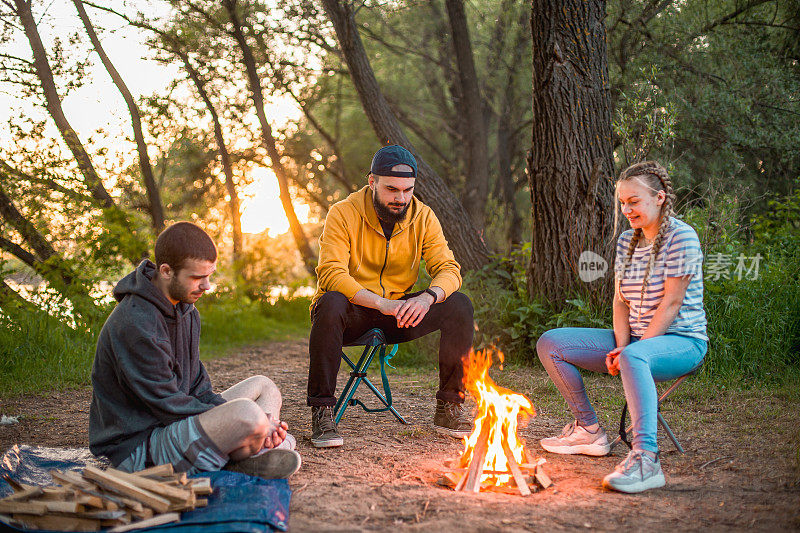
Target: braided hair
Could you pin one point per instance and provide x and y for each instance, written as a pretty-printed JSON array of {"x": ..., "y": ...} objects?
[{"x": 655, "y": 177}]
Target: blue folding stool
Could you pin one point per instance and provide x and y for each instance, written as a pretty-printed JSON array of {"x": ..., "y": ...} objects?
[{"x": 374, "y": 342}]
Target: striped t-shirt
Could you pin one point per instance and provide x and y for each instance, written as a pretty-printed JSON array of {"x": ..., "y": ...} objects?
[{"x": 680, "y": 255}]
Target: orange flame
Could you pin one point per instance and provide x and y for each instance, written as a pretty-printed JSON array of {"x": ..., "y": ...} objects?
[{"x": 499, "y": 408}]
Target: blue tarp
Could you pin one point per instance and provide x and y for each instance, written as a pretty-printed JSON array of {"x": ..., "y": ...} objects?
[{"x": 239, "y": 503}]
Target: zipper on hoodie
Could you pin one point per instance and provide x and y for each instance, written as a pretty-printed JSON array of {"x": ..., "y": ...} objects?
[{"x": 380, "y": 276}]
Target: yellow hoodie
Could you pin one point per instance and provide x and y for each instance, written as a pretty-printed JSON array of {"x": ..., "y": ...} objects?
[{"x": 354, "y": 253}]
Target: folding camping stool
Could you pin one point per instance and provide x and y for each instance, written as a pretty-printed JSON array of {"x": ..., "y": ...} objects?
[
  {"x": 374, "y": 342},
  {"x": 623, "y": 433}
]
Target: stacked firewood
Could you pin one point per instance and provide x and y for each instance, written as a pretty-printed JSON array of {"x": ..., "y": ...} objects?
[{"x": 96, "y": 499}]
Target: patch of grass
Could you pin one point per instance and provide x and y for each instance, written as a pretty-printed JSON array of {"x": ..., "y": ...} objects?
[
  {"x": 37, "y": 352},
  {"x": 40, "y": 353},
  {"x": 230, "y": 323},
  {"x": 420, "y": 353}
]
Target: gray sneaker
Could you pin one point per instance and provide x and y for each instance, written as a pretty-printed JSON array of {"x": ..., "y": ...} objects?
[
  {"x": 452, "y": 419},
  {"x": 577, "y": 439},
  {"x": 323, "y": 428},
  {"x": 637, "y": 473},
  {"x": 277, "y": 463}
]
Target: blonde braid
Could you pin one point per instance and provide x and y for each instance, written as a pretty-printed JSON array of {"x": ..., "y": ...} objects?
[
  {"x": 635, "y": 238},
  {"x": 654, "y": 176},
  {"x": 666, "y": 211}
]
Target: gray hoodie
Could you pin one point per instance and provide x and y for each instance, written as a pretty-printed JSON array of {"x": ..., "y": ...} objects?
[{"x": 147, "y": 371}]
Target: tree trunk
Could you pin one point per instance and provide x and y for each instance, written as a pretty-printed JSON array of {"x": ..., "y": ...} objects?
[
  {"x": 476, "y": 188},
  {"x": 469, "y": 248},
  {"x": 225, "y": 157},
  {"x": 11, "y": 298},
  {"x": 45, "y": 261},
  {"x": 153, "y": 195},
  {"x": 268, "y": 140},
  {"x": 505, "y": 180},
  {"x": 53, "y": 103},
  {"x": 570, "y": 164},
  {"x": 131, "y": 248}
]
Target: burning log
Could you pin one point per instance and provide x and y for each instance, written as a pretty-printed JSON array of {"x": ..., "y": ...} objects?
[
  {"x": 493, "y": 454},
  {"x": 522, "y": 485}
]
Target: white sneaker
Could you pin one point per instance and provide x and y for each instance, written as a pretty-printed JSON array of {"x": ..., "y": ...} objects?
[
  {"x": 637, "y": 473},
  {"x": 289, "y": 443},
  {"x": 577, "y": 439}
]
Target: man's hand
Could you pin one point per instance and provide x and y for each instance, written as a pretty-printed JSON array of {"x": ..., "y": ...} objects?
[
  {"x": 390, "y": 307},
  {"x": 612, "y": 360},
  {"x": 277, "y": 434},
  {"x": 413, "y": 310}
]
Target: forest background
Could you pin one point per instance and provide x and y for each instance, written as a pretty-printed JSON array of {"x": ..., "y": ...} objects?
[{"x": 299, "y": 95}]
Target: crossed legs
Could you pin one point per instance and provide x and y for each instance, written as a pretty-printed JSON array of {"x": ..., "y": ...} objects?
[
  {"x": 643, "y": 362},
  {"x": 248, "y": 421}
]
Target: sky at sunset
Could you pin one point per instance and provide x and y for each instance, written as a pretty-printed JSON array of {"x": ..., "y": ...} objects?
[{"x": 98, "y": 104}]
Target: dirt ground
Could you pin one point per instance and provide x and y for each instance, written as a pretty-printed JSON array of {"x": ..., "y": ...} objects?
[{"x": 739, "y": 472}]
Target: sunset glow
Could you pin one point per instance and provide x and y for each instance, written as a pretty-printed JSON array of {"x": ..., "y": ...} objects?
[{"x": 261, "y": 205}]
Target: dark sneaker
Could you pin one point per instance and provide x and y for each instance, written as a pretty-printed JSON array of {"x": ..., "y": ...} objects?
[
  {"x": 276, "y": 463},
  {"x": 452, "y": 419},
  {"x": 323, "y": 429},
  {"x": 637, "y": 473}
]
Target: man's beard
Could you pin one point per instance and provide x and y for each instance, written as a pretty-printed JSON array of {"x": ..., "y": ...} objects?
[
  {"x": 178, "y": 292},
  {"x": 386, "y": 214}
]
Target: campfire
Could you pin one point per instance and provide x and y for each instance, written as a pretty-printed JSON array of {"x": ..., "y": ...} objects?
[{"x": 494, "y": 457}]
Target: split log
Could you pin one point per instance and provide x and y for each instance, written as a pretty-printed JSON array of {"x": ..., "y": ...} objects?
[
  {"x": 68, "y": 477},
  {"x": 157, "y": 471},
  {"x": 522, "y": 485},
  {"x": 123, "y": 487},
  {"x": 543, "y": 479},
  {"x": 63, "y": 507},
  {"x": 23, "y": 495},
  {"x": 158, "y": 520},
  {"x": 471, "y": 481},
  {"x": 90, "y": 501},
  {"x": 22, "y": 508},
  {"x": 201, "y": 486},
  {"x": 175, "y": 494},
  {"x": 60, "y": 523}
]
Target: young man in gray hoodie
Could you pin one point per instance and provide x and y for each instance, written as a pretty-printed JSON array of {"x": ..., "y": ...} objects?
[{"x": 152, "y": 400}]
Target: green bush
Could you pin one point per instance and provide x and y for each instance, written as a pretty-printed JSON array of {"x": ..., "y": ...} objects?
[{"x": 754, "y": 318}]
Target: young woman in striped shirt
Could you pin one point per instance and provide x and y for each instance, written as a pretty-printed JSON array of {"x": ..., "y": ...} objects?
[{"x": 659, "y": 329}]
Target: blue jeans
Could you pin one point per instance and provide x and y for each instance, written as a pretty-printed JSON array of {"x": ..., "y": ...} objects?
[{"x": 642, "y": 363}]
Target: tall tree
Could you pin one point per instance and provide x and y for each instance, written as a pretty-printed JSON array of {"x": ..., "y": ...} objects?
[
  {"x": 130, "y": 246},
  {"x": 156, "y": 209},
  {"x": 472, "y": 110},
  {"x": 463, "y": 237},
  {"x": 570, "y": 161},
  {"x": 177, "y": 48},
  {"x": 268, "y": 139},
  {"x": 222, "y": 149}
]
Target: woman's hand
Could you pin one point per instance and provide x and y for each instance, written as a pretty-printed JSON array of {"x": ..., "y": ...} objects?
[{"x": 612, "y": 360}]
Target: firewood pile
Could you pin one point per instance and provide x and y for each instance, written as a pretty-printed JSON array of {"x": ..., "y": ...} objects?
[{"x": 96, "y": 499}]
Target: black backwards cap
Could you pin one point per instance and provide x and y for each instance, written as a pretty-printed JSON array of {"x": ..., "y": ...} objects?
[{"x": 390, "y": 156}]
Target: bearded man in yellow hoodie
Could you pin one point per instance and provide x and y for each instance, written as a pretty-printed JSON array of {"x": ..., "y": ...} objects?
[{"x": 370, "y": 252}]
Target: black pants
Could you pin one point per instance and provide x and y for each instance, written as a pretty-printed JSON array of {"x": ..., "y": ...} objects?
[{"x": 336, "y": 321}]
